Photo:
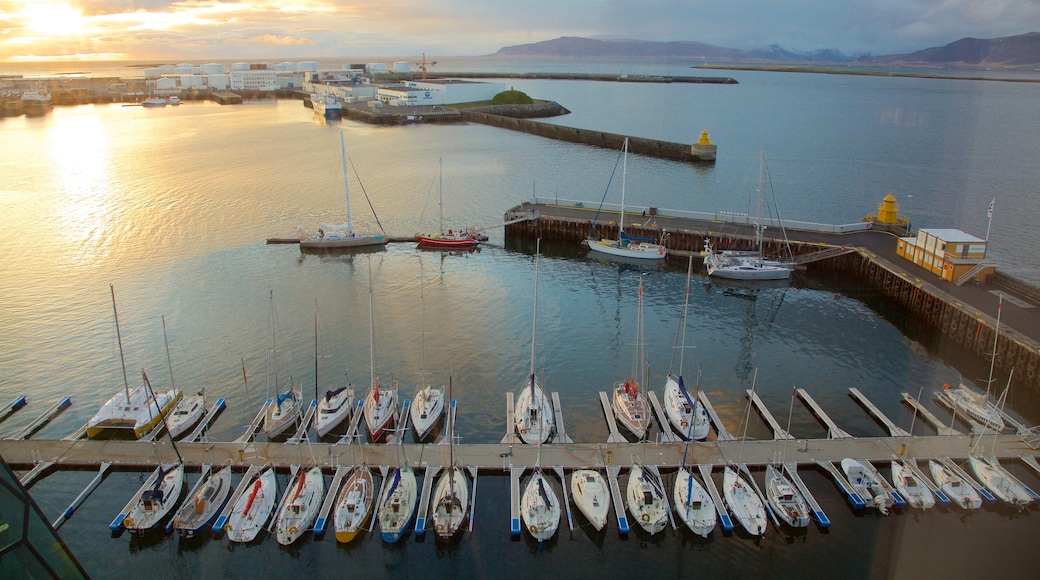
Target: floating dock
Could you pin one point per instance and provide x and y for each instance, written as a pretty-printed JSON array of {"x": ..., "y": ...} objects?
[
  {"x": 778, "y": 431},
  {"x": 44, "y": 418},
  {"x": 16, "y": 404},
  {"x": 893, "y": 429},
  {"x": 833, "y": 431}
]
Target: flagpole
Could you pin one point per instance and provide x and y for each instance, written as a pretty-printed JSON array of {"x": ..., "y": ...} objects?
[{"x": 989, "y": 212}]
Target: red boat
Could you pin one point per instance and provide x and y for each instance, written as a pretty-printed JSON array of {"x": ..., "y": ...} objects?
[{"x": 451, "y": 239}]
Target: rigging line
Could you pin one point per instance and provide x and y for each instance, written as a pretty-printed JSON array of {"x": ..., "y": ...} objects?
[
  {"x": 776, "y": 209},
  {"x": 595, "y": 218},
  {"x": 358, "y": 175}
]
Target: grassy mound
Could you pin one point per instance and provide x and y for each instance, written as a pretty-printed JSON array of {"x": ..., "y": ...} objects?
[{"x": 512, "y": 98}]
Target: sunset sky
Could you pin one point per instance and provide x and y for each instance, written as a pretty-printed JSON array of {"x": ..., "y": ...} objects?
[{"x": 293, "y": 29}]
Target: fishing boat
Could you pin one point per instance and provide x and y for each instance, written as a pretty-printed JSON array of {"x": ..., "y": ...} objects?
[
  {"x": 1001, "y": 483},
  {"x": 685, "y": 413},
  {"x": 397, "y": 504},
  {"x": 914, "y": 491},
  {"x": 959, "y": 491},
  {"x": 785, "y": 501},
  {"x": 539, "y": 506},
  {"x": 283, "y": 412},
  {"x": 629, "y": 405},
  {"x": 428, "y": 403},
  {"x": 157, "y": 501},
  {"x": 867, "y": 483},
  {"x": 744, "y": 502},
  {"x": 300, "y": 505},
  {"x": 591, "y": 495},
  {"x": 626, "y": 246},
  {"x": 253, "y": 508},
  {"x": 646, "y": 500},
  {"x": 327, "y": 104},
  {"x": 447, "y": 239},
  {"x": 204, "y": 505},
  {"x": 343, "y": 236},
  {"x": 354, "y": 504},
  {"x": 533, "y": 417},
  {"x": 750, "y": 265},
  {"x": 693, "y": 504},
  {"x": 36, "y": 102},
  {"x": 188, "y": 411},
  {"x": 130, "y": 413}
]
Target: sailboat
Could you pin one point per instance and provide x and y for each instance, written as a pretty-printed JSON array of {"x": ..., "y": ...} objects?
[
  {"x": 451, "y": 495},
  {"x": 626, "y": 246},
  {"x": 157, "y": 501},
  {"x": 786, "y": 501},
  {"x": 994, "y": 476},
  {"x": 300, "y": 505},
  {"x": 380, "y": 404},
  {"x": 397, "y": 503},
  {"x": 189, "y": 409},
  {"x": 977, "y": 406},
  {"x": 253, "y": 509},
  {"x": 693, "y": 504},
  {"x": 354, "y": 504},
  {"x": 744, "y": 265},
  {"x": 629, "y": 404},
  {"x": 285, "y": 408},
  {"x": 539, "y": 506},
  {"x": 686, "y": 415},
  {"x": 744, "y": 502},
  {"x": 867, "y": 483},
  {"x": 343, "y": 236},
  {"x": 591, "y": 495},
  {"x": 646, "y": 500},
  {"x": 203, "y": 506},
  {"x": 336, "y": 404},
  {"x": 533, "y": 417},
  {"x": 907, "y": 484},
  {"x": 959, "y": 491},
  {"x": 450, "y": 239},
  {"x": 428, "y": 403},
  {"x": 130, "y": 413}
]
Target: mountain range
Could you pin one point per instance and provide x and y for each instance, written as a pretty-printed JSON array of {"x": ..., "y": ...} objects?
[{"x": 1019, "y": 50}]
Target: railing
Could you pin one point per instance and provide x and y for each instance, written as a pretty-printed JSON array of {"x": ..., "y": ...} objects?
[{"x": 971, "y": 273}]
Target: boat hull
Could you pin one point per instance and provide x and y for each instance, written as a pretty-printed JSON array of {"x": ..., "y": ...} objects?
[
  {"x": 426, "y": 409},
  {"x": 646, "y": 500},
  {"x": 334, "y": 240},
  {"x": 637, "y": 251},
  {"x": 683, "y": 411},
  {"x": 540, "y": 508},
  {"x": 397, "y": 506},
  {"x": 184, "y": 416},
  {"x": 744, "y": 502},
  {"x": 147, "y": 512},
  {"x": 379, "y": 413},
  {"x": 113, "y": 421},
  {"x": 333, "y": 410},
  {"x": 450, "y": 503},
  {"x": 631, "y": 409},
  {"x": 450, "y": 242},
  {"x": 253, "y": 509},
  {"x": 202, "y": 508},
  {"x": 959, "y": 491},
  {"x": 592, "y": 496},
  {"x": 354, "y": 505},
  {"x": 533, "y": 414},
  {"x": 693, "y": 504},
  {"x": 785, "y": 501},
  {"x": 300, "y": 506}
]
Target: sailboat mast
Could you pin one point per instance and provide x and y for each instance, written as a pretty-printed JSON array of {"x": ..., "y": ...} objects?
[
  {"x": 315, "y": 350},
  {"x": 119, "y": 339},
  {"x": 422, "y": 330},
  {"x": 624, "y": 172},
  {"x": 685, "y": 313},
  {"x": 371, "y": 329},
  {"x": 996, "y": 335},
  {"x": 534, "y": 320},
  {"x": 440, "y": 192},
  {"x": 747, "y": 417},
  {"x": 166, "y": 341},
  {"x": 346, "y": 187}
]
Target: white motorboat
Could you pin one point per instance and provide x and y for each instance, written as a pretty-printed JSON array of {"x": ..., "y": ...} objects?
[
  {"x": 283, "y": 412},
  {"x": 646, "y": 500},
  {"x": 253, "y": 508},
  {"x": 300, "y": 505},
  {"x": 1001, "y": 483},
  {"x": 426, "y": 409},
  {"x": 693, "y": 504},
  {"x": 533, "y": 417},
  {"x": 625, "y": 246},
  {"x": 354, "y": 504},
  {"x": 157, "y": 501},
  {"x": 450, "y": 503},
  {"x": 539, "y": 507},
  {"x": 154, "y": 102},
  {"x": 592, "y": 496},
  {"x": 201, "y": 508},
  {"x": 953, "y": 485},
  {"x": 914, "y": 491},
  {"x": 333, "y": 408},
  {"x": 784, "y": 499},
  {"x": 343, "y": 236},
  {"x": 188, "y": 411},
  {"x": 174, "y": 100},
  {"x": 744, "y": 502},
  {"x": 867, "y": 483},
  {"x": 397, "y": 504},
  {"x": 689, "y": 418}
]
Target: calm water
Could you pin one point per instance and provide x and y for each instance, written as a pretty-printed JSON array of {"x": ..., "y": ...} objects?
[{"x": 172, "y": 206}]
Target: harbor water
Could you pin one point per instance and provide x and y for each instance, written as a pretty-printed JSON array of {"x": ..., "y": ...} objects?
[{"x": 171, "y": 206}]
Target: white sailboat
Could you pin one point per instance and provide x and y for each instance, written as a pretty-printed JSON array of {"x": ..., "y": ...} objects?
[
  {"x": 380, "y": 404},
  {"x": 629, "y": 404},
  {"x": 354, "y": 504},
  {"x": 592, "y": 496},
  {"x": 646, "y": 500},
  {"x": 784, "y": 499},
  {"x": 157, "y": 501},
  {"x": 744, "y": 502},
  {"x": 999, "y": 482},
  {"x": 977, "y": 406},
  {"x": 914, "y": 491},
  {"x": 428, "y": 403},
  {"x": 693, "y": 504},
  {"x": 285, "y": 407},
  {"x": 533, "y": 417},
  {"x": 343, "y": 236},
  {"x": 300, "y": 505},
  {"x": 336, "y": 404},
  {"x": 539, "y": 506},
  {"x": 749, "y": 265},
  {"x": 188, "y": 412},
  {"x": 451, "y": 495},
  {"x": 203, "y": 506},
  {"x": 397, "y": 504},
  {"x": 625, "y": 246},
  {"x": 685, "y": 413},
  {"x": 867, "y": 483},
  {"x": 959, "y": 491},
  {"x": 253, "y": 509}
]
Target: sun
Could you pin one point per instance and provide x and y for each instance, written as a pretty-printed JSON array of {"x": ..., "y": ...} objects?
[{"x": 53, "y": 18}]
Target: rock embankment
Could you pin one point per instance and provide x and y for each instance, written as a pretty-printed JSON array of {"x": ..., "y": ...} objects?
[{"x": 532, "y": 111}]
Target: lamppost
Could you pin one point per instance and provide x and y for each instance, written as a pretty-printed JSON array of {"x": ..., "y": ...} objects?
[{"x": 909, "y": 206}]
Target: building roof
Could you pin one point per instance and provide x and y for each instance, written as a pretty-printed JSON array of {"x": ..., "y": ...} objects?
[{"x": 952, "y": 235}]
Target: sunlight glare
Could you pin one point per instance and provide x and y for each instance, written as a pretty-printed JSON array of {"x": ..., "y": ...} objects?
[{"x": 53, "y": 18}]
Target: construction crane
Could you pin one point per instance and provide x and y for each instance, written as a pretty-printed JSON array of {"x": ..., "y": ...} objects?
[{"x": 422, "y": 65}]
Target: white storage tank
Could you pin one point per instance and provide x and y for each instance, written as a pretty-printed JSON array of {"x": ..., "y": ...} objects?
[
  {"x": 212, "y": 68},
  {"x": 307, "y": 65},
  {"x": 184, "y": 68},
  {"x": 218, "y": 82},
  {"x": 240, "y": 66},
  {"x": 152, "y": 73},
  {"x": 402, "y": 66},
  {"x": 376, "y": 68}
]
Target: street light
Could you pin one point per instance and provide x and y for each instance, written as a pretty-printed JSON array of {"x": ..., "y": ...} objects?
[{"x": 909, "y": 206}]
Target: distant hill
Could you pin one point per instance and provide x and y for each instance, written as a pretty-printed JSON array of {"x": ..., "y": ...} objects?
[
  {"x": 1020, "y": 50},
  {"x": 577, "y": 47}
]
